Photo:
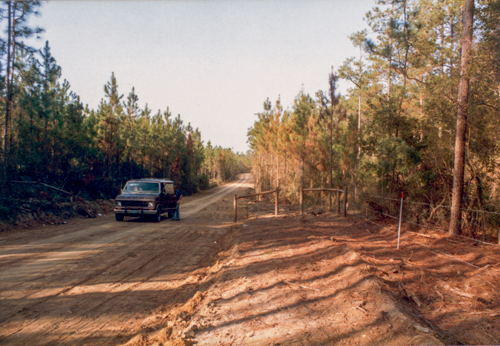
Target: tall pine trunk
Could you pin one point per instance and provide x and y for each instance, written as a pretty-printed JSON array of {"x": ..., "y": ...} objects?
[
  {"x": 463, "y": 103},
  {"x": 5, "y": 148},
  {"x": 278, "y": 170},
  {"x": 330, "y": 173}
]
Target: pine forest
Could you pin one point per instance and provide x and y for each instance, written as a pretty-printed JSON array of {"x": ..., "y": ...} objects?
[
  {"x": 421, "y": 118},
  {"x": 49, "y": 136},
  {"x": 425, "y": 84}
]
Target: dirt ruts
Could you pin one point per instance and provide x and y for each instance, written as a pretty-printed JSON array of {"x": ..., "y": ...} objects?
[{"x": 317, "y": 279}]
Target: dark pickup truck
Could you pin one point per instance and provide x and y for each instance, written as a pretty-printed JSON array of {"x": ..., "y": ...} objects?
[{"x": 146, "y": 197}]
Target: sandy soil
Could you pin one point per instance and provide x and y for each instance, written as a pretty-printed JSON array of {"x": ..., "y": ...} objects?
[{"x": 266, "y": 280}]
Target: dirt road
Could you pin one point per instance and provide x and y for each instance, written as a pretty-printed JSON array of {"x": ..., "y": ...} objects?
[
  {"x": 317, "y": 279},
  {"x": 95, "y": 281}
]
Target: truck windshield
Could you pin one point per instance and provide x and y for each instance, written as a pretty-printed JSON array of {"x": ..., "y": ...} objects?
[{"x": 141, "y": 187}]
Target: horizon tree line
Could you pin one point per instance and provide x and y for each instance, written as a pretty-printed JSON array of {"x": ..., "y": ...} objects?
[{"x": 51, "y": 137}]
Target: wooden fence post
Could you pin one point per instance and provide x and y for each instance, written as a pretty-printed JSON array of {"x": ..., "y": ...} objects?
[
  {"x": 301, "y": 200},
  {"x": 235, "y": 206},
  {"x": 338, "y": 201},
  {"x": 344, "y": 214},
  {"x": 400, "y": 216},
  {"x": 276, "y": 202}
]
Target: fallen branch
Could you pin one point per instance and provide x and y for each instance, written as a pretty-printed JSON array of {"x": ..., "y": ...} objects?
[
  {"x": 413, "y": 297},
  {"x": 37, "y": 183},
  {"x": 460, "y": 293},
  {"x": 480, "y": 270},
  {"x": 423, "y": 235},
  {"x": 421, "y": 329},
  {"x": 409, "y": 295},
  {"x": 433, "y": 211},
  {"x": 360, "y": 308}
]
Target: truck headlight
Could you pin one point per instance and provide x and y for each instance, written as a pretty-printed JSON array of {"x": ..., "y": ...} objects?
[
  {"x": 118, "y": 203},
  {"x": 151, "y": 204}
]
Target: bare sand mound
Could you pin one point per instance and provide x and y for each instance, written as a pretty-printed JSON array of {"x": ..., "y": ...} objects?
[{"x": 291, "y": 285}]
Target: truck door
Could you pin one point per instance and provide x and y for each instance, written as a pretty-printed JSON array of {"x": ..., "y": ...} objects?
[{"x": 171, "y": 202}]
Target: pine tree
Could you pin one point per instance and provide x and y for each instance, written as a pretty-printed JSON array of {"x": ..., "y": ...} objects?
[
  {"x": 463, "y": 103},
  {"x": 17, "y": 16}
]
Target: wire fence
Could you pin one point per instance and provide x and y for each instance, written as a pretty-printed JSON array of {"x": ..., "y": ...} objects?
[
  {"x": 436, "y": 251},
  {"x": 479, "y": 225}
]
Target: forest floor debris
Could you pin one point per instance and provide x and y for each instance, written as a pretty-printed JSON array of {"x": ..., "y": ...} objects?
[{"x": 36, "y": 212}]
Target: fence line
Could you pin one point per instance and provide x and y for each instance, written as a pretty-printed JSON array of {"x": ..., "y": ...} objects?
[
  {"x": 236, "y": 197},
  {"x": 431, "y": 249},
  {"x": 344, "y": 191},
  {"x": 401, "y": 218},
  {"x": 435, "y": 229},
  {"x": 393, "y": 217},
  {"x": 407, "y": 233},
  {"x": 448, "y": 207},
  {"x": 435, "y": 251},
  {"x": 432, "y": 206},
  {"x": 427, "y": 227},
  {"x": 458, "y": 235},
  {"x": 390, "y": 199}
]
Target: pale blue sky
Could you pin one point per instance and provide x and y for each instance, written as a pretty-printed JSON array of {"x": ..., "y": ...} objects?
[{"x": 212, "y": 62}]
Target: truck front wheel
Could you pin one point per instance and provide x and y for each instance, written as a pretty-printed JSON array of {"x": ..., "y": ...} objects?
[
  {"x": 157, "y": 216},
  {"x": 119, "y": 217}
]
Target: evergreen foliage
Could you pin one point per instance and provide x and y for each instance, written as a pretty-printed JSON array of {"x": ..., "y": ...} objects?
[
  {"x": 50, "y": 137},
  {"x": 394, "y": 130}
]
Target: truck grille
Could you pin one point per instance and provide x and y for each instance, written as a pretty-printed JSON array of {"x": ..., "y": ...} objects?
[{"x": 134, "y": 204}]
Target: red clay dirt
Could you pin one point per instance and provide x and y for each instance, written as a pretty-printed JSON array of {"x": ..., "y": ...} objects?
[{"x": 317, "y": 279}]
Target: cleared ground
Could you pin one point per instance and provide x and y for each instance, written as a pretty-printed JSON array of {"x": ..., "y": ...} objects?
[{"x": 286, "y": 280}]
